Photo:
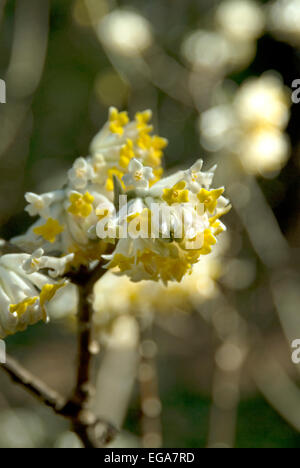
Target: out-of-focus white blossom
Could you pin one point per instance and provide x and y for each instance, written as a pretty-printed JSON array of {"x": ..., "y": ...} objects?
[
  {"x": 206, "y": 49},
  {"x": 263, "y": 101},
  {"x": 284, "y": 20},
  {"x": 23, "y": 295},
  {"x": 251, "y": 126},
  {"x": 264, "y": 151},
  {"x": 125, "y": 32},
  {"x": 241, "y": 20}
]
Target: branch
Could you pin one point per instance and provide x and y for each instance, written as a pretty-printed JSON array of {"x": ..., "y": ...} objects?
[
  {"x": 33, "y": 384},
  {"x": 82, "y": 391}
]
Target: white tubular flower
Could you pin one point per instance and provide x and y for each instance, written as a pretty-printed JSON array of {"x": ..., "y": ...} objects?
[
  {"x": 40, "y": 204},
  {"x": 164, "y": 230},
  {"x": 23, "y": 296},
  {"x": 197, "y": 179},
  {"x": 80, "y": 174},
  {"x": 56, "y": 266},
  {"x": 67, "y": 228},
  {"x": 138, "y": 175}
]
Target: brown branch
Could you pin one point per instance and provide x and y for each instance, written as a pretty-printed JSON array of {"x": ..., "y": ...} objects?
[
  {"x": 33, "y": 384},
  {"x": 85, "y": 283},
  {"x": 93, "y": 432}
]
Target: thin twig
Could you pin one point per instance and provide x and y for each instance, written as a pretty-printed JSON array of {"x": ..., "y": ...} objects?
[{"x": 33, "y": 384}]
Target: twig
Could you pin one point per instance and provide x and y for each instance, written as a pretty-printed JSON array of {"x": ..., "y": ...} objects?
[{"x": 33, "y": 384}]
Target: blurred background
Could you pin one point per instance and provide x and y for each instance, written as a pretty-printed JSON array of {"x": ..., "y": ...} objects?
[{"x": 206, "y": 363}]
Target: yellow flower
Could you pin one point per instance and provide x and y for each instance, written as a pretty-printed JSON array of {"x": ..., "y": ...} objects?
[
  {"x": 21, "y": 308},
  {"x": 126, "y": 154},
  {"x": 50, "y": 230},
  {"x": 176, "y": 194},
  {"x": 117, "y": 120},
  {"x": 210, "y": 198},
  {"x": 110, "y": 178},
  {"x": 81, "y": 205}
]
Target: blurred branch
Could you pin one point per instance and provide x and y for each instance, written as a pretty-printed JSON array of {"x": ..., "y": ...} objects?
[
  {"x": 118, "y": 371},
  {"x": 277, "y": 387},
  {"x": 150, "y": 401}
]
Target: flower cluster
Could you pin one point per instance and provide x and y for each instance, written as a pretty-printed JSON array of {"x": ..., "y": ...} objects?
[
  {"x": 116, "y": 208},
  {"x": 67, "y": 216},
  {"x": 163, "y": 230}
]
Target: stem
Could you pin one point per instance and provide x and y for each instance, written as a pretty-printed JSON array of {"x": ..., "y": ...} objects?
[{"x": 33, "y": 384}]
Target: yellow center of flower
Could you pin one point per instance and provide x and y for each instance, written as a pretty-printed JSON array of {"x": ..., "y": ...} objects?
[
  {"x": 176, "y": 194},
  {"x": 210, "y": 198},
  {"x": 118, "y": 120},
  {"x": 142, "y": 119},
  {"x": 138, "y": 175},
  {"x": 50, "y": 230},
  {"x": 81, "y": 205},
  {"x": 21, "y": 308},
  {"x": 126, "y": 154}
]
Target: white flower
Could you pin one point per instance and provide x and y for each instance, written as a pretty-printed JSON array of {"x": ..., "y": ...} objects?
[
  {"x": 80, "y": 174},
  {"x": 40, "y": 204},
  {"x": 197, "y": 179},
  {"x": 56, "y": 266},
  {"x": 138, "y": 176},
  {"x": 67, "y": 228},
  {"x": 23, "y": 296}
]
